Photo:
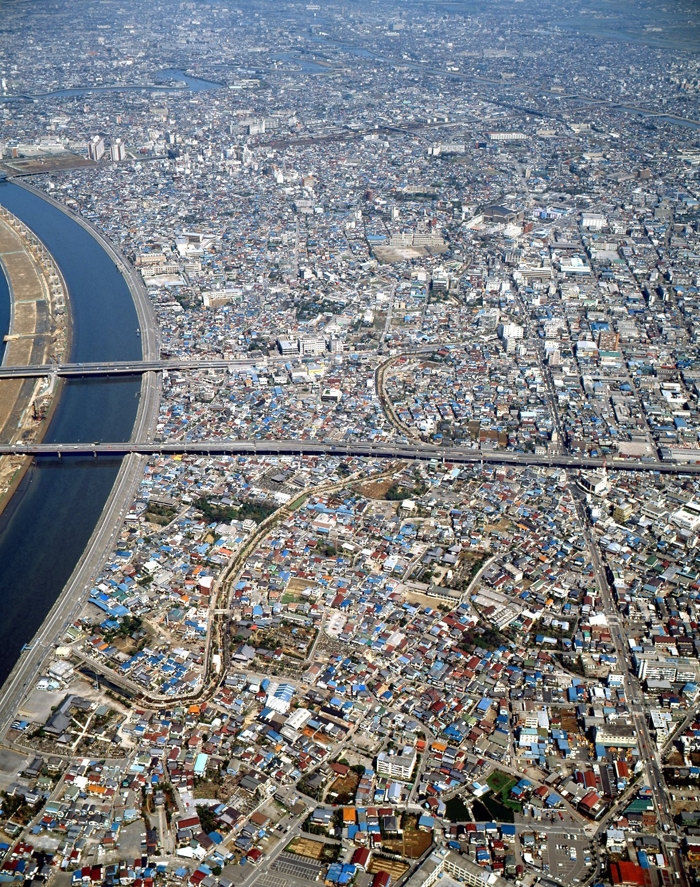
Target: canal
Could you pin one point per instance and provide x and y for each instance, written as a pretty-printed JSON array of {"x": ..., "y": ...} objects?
[{"x": 48, "y": 522}]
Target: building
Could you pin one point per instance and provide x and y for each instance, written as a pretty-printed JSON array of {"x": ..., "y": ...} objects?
[
  {"x": 652, "y": 667},
  {"x": 616, "y": 735},
  {"x": 440, "y": 281},
  {"x": 464, "y": 869},
  {"x": 298, "y": 719},
  {"x": 118, "y": 150},
  {"x": 417, "y": 239},
  {"x": 311, "y": 345},
  {"x": 360, "y": 858},
  {"x": 510, "y": 331},
  {"x": 96, "y": 148},
  {"x": 447, "y": 148},
  {"x": 279, "y": 697},
  {"x": 688, "y": 516},
  {"x": 592, "y": 805},
  {"x": 504, "y": 215},
  {"x": 331, "y": 395},
  {"x": 623, "y": 511},
  {"x": 507, "y": 136},
  {"x": 593, "y": 221},
  {"x": 399, "y": 766},
  {"x": 624, "y": 872},
  {"x": 446, "y": 865},
  {"x": 287, "y": 348},
  {"x": 595, "y": 482}
]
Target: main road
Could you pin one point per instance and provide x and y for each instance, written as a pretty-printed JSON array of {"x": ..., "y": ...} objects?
[{"x": 632, "y": 687}]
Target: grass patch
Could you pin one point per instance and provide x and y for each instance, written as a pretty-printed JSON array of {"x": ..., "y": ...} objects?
[
  {"x": 498, "y": 781},
  {"x": 501, "y": 783},
  {"x": 160, "y": 514},
  {"x": 214, "y": 512},
  {"x": 342, "y": 791},
  {"x": 290, "y": 598},
  {"x": 397, "y": 493},
  {"x": 413, "y": 843}
]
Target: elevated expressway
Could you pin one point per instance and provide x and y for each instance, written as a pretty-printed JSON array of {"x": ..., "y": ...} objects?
[{"x": 359, "y": 449}]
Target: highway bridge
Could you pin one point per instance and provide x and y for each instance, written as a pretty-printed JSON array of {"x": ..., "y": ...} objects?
[
  {"x": 138, "y": 367},
  {"x": 125, "y": 367},
  {"x": 358, "y": 449}
]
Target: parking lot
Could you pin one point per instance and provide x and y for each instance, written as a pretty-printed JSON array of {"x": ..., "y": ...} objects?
[
  {"x": 296, "y": 867},
  {"x": 566, "y": 858},
  {"x": 284, "y": 873},
  {"x": 270, "y": 881}
]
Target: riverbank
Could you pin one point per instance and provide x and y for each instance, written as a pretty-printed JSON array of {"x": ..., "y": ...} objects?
[
  {"x": 149, "y": 400},
  {"x": 39, "y": 332},
  {"x": 93, "y": 313},
  {"x": 142, "y": 303}
]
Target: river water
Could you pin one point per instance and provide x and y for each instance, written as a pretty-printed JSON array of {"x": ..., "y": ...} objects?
[
  {"x": 46, "y": 526},
  {"x": 4, "y": 313},
  {"x": 192, "y": 84}
]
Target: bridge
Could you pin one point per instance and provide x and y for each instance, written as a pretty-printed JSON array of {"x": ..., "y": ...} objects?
[
  {"x": 139, "y": 367},
  {"x": 358, "y": 449},
  {"x": 127, "y": 367}
]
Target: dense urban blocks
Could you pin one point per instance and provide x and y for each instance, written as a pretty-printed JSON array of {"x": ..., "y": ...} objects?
[{"x": 469, "y": 232}]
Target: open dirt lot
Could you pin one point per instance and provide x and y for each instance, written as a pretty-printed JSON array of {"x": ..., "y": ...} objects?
[
  {"x": 306, "y": 847},
  {"x": 395, "y": 867}
]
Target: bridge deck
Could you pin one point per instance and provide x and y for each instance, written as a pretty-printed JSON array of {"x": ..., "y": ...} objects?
[
  {"x": 414, "y": 452},
  {"x": 119, "y": 368}
]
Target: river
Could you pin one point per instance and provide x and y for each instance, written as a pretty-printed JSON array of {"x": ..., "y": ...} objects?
[
  {"x": 191, "y": 84},
  {"x": 4, "y": 313},
  {"x": 46, "y": 526}
]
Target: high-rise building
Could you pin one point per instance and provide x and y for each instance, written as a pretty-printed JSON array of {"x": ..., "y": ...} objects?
[
  {"x": 96, "y": 148},
  {"x": 118, "y": 150}
]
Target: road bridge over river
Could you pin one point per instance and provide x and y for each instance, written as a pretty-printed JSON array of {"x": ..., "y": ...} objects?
[
  {"x": 139, "y": 367},
  {"x": 357, "y": 449},
  {"x": 122, "y": 367}
]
